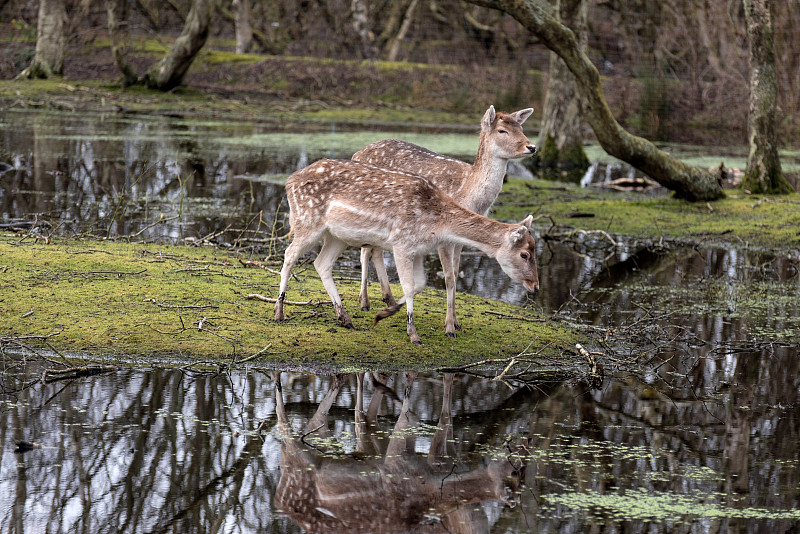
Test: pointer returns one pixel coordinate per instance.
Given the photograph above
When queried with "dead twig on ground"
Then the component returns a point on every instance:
(256, 296)
(515, 317)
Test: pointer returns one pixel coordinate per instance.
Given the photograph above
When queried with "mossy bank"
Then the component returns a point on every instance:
(770, 222)
(147, 302)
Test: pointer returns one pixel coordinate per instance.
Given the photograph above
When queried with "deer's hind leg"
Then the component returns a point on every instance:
(363, 297)
(450, 257)
(383, 278)
(332, 247)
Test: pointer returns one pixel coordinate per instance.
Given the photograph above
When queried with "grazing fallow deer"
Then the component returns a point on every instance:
(473, 186)
(343, 202)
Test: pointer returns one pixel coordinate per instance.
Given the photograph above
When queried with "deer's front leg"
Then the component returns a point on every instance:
(449, 256)
(331, 249)
(405, 271)
(293, 252)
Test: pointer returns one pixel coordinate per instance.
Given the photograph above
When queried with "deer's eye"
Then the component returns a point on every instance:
(502, 131)
(525, 256)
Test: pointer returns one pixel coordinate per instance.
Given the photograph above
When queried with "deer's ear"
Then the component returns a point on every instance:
(522, 115)
(518, 233)
(526, 222)
(488, 119)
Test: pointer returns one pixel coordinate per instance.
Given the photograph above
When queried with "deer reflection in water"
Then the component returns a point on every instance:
(385, 486)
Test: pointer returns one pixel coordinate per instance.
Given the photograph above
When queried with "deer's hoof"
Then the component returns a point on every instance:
(451, 334)
(364, 308)
(350, 326)
(417, 342)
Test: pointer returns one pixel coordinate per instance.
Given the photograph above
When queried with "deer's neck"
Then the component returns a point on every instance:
(484, 179)
(475, 230)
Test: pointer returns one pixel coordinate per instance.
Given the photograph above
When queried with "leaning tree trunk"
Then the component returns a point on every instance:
(394, 42)
(763, 173)
(49, 57)
(561, 136)
(691, 183)
(116, 11)
(169, 72)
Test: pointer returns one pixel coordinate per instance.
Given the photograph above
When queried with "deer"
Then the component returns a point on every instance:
(474, 186)
(392, 488)
(346, 203)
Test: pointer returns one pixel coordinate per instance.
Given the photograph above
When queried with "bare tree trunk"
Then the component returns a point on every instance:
(360, 22)
(49, 58)
(561, 136)
(763, 173)
(117, 11)
(169, 72)
(244, 31)
(393, 46)
(691, 183)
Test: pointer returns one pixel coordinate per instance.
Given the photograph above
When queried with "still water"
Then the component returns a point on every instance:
(694, 429)
(180, 451)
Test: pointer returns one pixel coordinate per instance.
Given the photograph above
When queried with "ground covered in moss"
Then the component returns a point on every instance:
(148, 302)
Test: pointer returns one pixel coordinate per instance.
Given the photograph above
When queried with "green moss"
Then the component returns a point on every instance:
(144, 300)
(548, 151)
(217, 57)
(641, 504)
(754, 220)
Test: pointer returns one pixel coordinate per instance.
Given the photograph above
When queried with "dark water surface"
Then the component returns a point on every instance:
(178, 451)
(695, 428)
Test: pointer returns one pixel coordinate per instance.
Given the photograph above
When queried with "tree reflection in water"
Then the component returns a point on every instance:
(175, 451)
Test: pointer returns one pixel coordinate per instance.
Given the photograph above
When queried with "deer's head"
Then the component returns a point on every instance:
(517, 256)
(502, 134)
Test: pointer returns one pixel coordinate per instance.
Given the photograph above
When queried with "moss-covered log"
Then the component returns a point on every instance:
(685, 180)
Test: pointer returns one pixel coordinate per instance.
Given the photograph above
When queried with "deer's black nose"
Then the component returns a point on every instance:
(532, 149)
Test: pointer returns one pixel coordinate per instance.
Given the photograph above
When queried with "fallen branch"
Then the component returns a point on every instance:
(75, 372)
(162, 219)
(258, 264)
(182, 306)
(518, 317)
(256, 296)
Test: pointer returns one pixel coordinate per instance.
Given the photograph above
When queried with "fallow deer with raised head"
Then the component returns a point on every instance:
(345, 203)
(473, 186)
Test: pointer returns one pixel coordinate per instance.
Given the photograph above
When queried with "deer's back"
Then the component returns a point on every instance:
(355, 200)
(447, 173)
